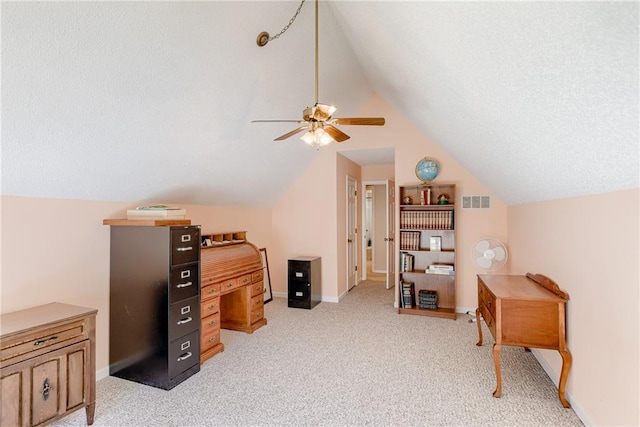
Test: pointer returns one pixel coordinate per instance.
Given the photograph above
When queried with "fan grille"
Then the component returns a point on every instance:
(489, 254)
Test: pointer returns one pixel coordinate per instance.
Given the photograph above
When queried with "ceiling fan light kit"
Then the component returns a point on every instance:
(320, 127)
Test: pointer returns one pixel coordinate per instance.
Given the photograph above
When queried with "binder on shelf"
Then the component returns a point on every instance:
(407, 289)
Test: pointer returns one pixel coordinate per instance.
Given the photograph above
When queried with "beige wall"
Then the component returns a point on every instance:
(58, 250)
(589, 246)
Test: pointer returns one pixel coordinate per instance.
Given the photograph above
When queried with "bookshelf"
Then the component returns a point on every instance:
(427, 250)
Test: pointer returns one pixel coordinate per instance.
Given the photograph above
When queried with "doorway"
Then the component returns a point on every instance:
(375, 231)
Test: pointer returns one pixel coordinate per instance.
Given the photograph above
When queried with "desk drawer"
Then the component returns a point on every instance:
(257, 302)
(257, 276)
(210, 291)
(211, 306)
(228, 285)
(210, 324)
(244, 280)
(257, 314)
(257, 289)
(210, 340)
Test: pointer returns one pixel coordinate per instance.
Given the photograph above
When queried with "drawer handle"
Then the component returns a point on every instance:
(184, 249)
(46, 388)
(183, 321)
(184, 285)
(40, 342)
(211, 291)
(212, 339)
(230, 284)
(245, 280)
(185, 356)
(212, 322)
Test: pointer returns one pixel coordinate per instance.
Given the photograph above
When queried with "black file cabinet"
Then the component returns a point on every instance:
(305, 285)
(154, 336)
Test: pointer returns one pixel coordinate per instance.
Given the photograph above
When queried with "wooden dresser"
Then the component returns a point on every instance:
(232, 288)
(527, 311)
(48, 366)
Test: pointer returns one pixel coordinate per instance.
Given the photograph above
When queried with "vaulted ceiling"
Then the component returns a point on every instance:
(152, 101)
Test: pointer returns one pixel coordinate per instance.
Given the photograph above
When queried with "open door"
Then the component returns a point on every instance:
(352, 247)
(391, 233)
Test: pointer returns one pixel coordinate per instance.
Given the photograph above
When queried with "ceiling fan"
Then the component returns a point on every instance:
(317, 120)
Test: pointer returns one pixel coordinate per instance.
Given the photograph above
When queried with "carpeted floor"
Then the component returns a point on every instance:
(348, 364)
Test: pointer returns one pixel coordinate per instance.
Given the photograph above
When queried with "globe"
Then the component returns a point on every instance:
(427, 169)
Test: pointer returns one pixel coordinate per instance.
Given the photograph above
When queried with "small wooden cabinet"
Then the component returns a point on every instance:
(232, 288)
(47, 370)
(427, 251)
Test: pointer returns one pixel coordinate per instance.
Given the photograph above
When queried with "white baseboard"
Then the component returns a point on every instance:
(556, 380)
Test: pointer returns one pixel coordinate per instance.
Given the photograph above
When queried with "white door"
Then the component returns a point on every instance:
(391, 234)
(352, 276)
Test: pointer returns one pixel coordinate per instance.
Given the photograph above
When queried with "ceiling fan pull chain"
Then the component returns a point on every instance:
(264, 38)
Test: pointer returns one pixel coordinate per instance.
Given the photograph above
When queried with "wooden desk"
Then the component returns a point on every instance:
(527, 311)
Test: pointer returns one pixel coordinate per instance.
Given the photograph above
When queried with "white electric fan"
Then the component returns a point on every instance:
(489, 254)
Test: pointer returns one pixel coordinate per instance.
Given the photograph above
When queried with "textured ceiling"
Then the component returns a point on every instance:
(152, 101)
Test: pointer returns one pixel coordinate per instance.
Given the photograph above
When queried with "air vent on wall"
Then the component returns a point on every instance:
(476, 202)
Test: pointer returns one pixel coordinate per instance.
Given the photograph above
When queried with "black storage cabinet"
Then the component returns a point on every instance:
(305, 285)
(154, 317)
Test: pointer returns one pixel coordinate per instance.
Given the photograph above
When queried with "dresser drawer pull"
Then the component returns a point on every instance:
(213, 339)
(212, 306)
(185, 248)
(184, 285)
(40, 342)
(230, 284)
(46, 388)
(185, 356)
(212, 322)
(183, 321)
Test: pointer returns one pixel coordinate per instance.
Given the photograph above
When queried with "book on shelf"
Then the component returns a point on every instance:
(406, 262)
(441, 269)
(156, 212)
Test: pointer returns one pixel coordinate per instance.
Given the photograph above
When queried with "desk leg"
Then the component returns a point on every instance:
(90, 410)
(478, 320)
(496, 362)
(566, 365)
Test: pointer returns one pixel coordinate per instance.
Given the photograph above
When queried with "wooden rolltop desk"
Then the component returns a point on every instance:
(232, 288)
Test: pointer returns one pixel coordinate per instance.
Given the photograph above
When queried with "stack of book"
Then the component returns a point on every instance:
(406, 262)
(441, 269)
(427, 299)
(156, 212)
(407, 294)
(409, 240)
(427, 220)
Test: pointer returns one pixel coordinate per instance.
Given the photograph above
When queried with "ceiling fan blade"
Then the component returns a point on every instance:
(277, 121)
(336, 133)
(290, 134)
(367, 121)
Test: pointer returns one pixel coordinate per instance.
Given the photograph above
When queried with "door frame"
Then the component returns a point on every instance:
(352, 238)
(363, 274)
